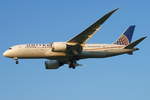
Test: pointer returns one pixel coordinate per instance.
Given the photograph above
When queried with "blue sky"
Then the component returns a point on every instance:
(40, 21)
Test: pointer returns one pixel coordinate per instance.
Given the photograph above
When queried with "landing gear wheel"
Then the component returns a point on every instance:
(73, 67)
(17, 62)
(72, 64)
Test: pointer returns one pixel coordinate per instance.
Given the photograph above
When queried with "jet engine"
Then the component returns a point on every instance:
(52, 64)
(59, 46)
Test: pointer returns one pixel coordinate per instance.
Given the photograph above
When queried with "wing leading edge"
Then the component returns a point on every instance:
(89, 32)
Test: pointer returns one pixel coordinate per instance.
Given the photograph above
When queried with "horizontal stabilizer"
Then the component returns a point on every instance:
(133, 44)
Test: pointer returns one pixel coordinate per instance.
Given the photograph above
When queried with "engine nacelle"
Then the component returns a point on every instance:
(59, 46)
(52, 64)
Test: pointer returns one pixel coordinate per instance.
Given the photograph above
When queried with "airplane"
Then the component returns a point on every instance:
(69, 52)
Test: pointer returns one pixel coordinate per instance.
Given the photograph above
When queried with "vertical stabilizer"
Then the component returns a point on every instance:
(126, 37)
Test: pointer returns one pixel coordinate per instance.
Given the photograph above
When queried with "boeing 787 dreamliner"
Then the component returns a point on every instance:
(76, 48)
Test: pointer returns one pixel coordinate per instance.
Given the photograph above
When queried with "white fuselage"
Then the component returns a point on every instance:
(27, 51)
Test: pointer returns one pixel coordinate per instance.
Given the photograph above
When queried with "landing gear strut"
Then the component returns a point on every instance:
(73, 64)
(16, 60)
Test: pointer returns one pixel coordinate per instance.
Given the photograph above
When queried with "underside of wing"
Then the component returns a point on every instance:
(89, 32)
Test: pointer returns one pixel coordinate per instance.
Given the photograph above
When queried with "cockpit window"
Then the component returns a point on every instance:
(10, 48)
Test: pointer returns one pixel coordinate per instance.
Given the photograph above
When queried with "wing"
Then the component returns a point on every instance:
(89, 32)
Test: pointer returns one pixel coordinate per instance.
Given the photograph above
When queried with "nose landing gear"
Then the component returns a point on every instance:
(16, 60)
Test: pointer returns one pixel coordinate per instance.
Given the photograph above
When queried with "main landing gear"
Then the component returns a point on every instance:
(73, 64)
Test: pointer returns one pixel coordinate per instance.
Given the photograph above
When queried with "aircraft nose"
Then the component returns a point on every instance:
(5, 54)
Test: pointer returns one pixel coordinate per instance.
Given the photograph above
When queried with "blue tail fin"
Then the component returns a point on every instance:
(126, 37)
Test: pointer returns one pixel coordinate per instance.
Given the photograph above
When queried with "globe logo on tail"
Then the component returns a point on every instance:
(123, 40)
